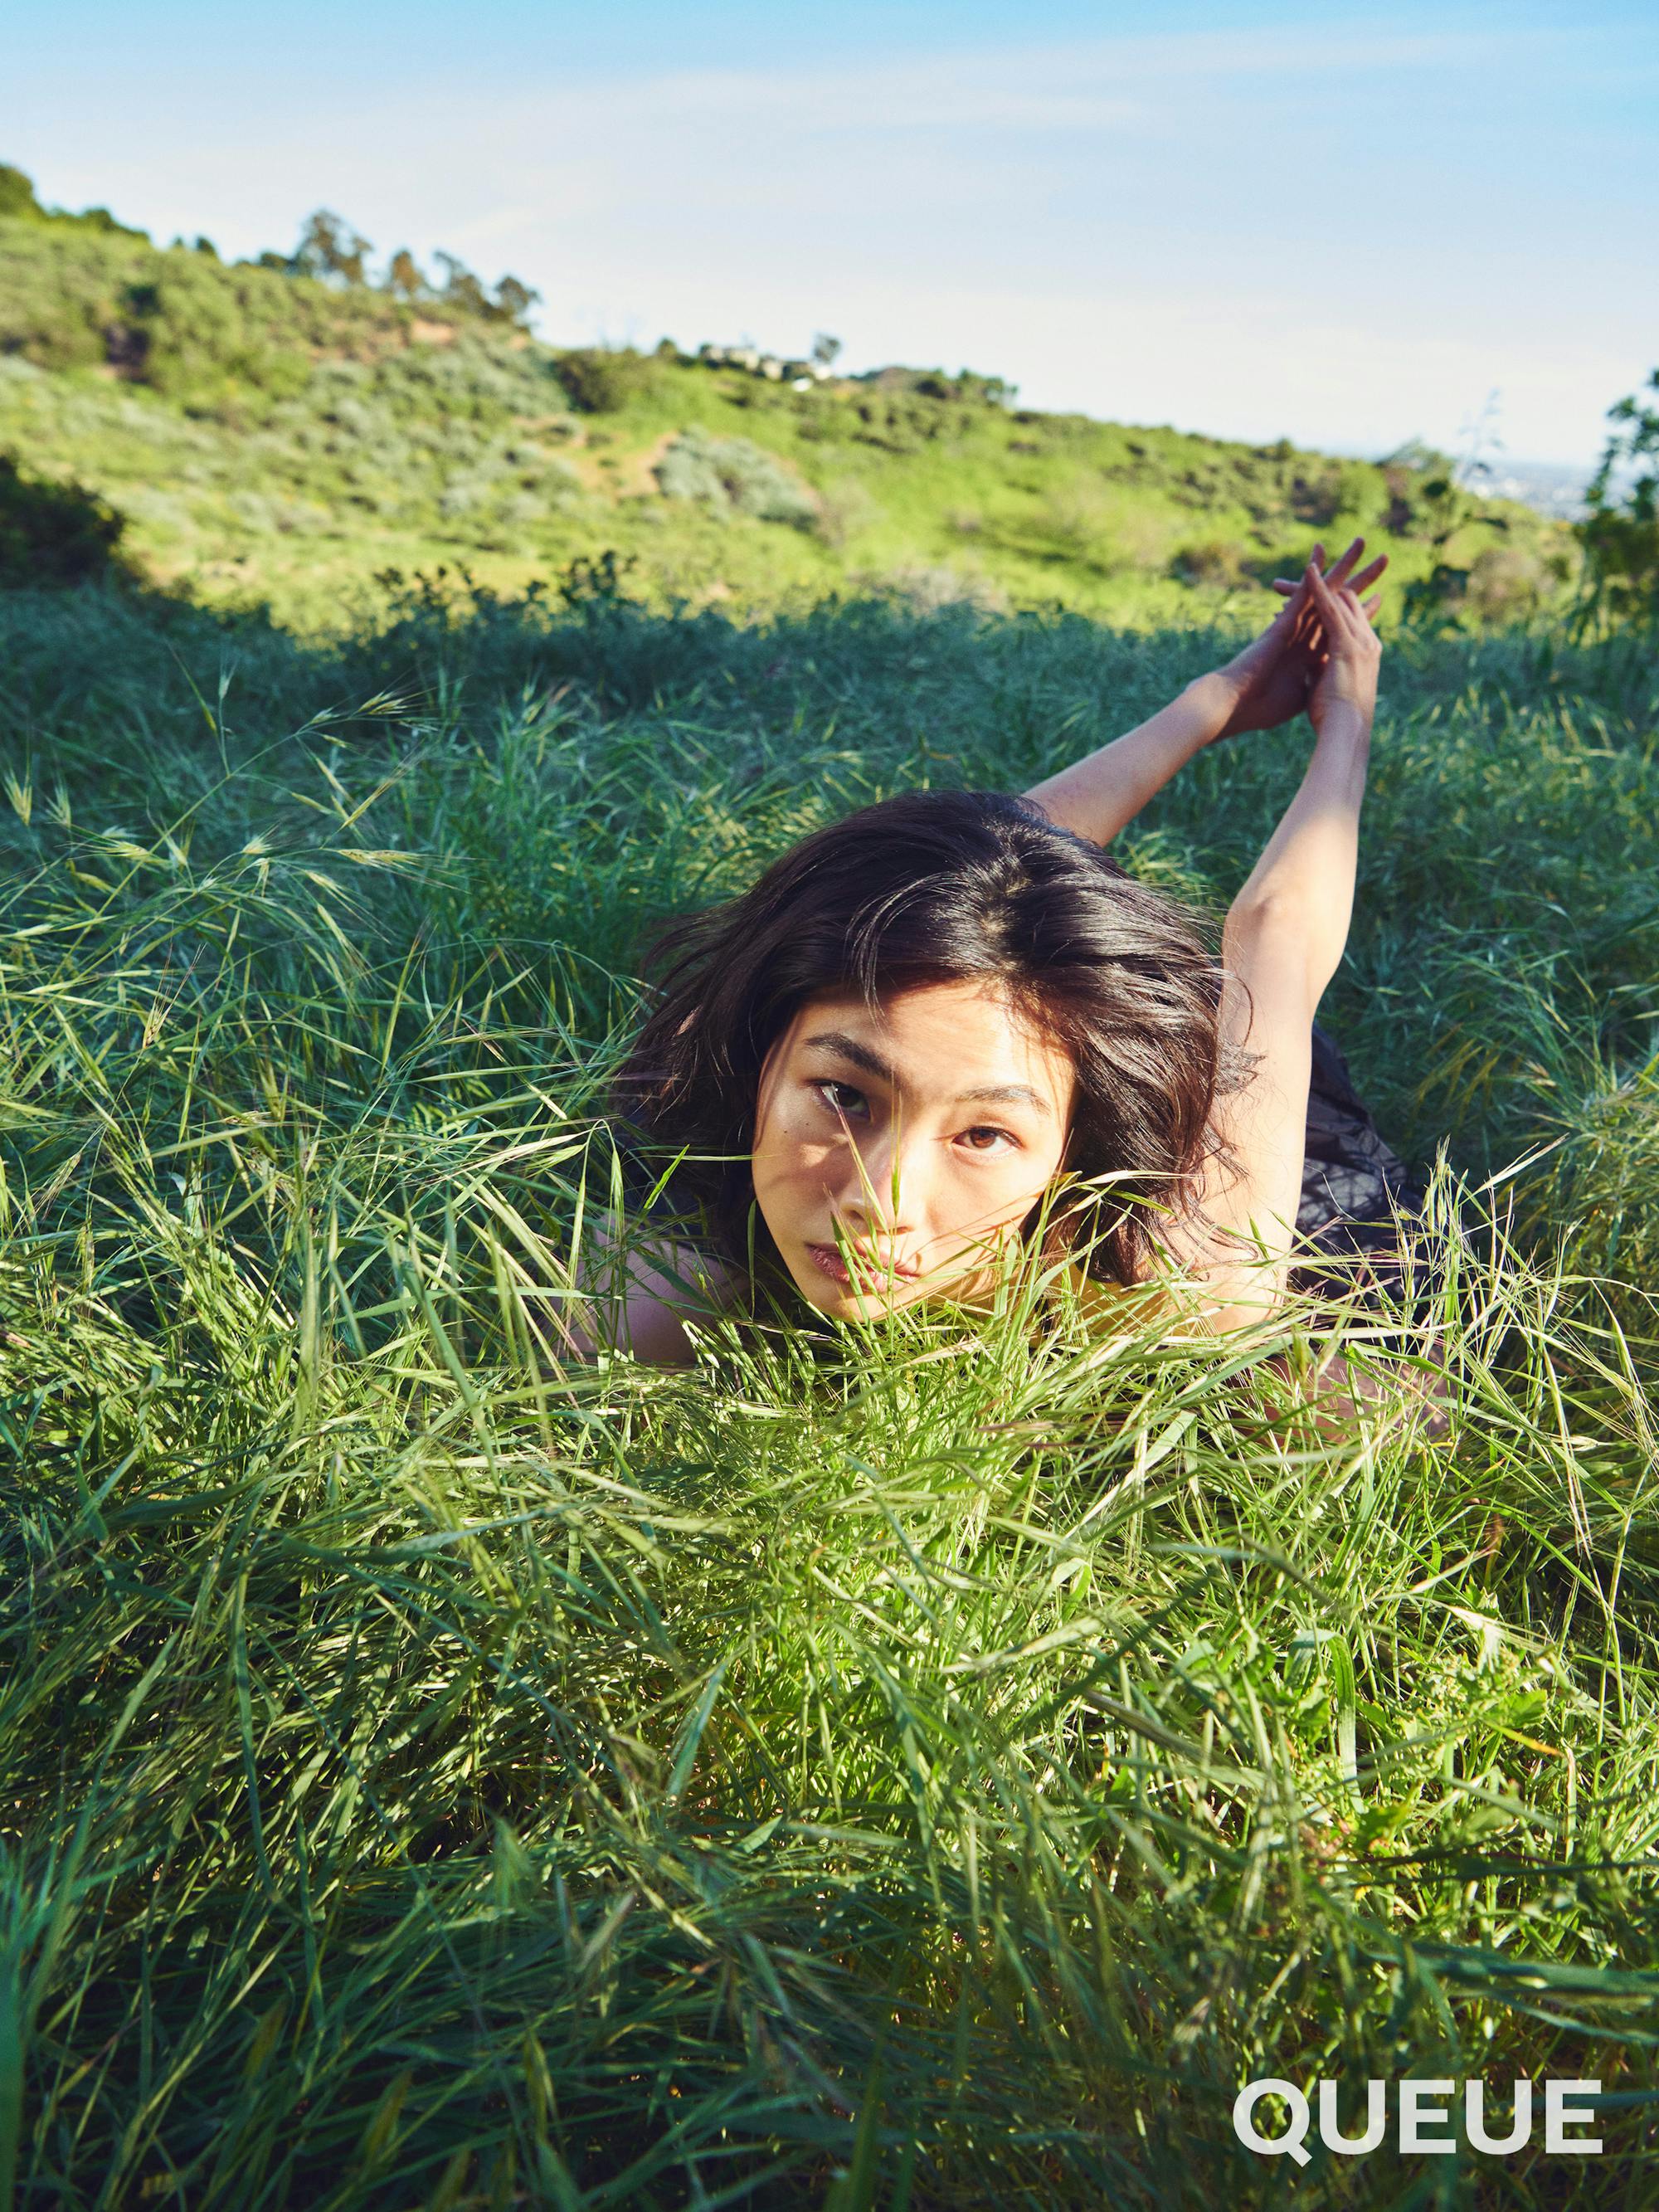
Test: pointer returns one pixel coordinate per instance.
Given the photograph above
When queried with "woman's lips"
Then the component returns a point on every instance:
(829, 1261)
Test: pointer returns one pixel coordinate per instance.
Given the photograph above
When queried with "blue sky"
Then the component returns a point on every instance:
(1346, 227)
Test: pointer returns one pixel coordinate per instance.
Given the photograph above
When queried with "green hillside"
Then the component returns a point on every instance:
(268, 434)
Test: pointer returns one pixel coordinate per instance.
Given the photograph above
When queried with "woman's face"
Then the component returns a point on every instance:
(924, 1131)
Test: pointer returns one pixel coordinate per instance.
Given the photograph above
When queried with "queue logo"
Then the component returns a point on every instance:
(1423, 2110)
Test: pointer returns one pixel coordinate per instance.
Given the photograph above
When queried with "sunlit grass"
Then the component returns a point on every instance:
(930, 1760)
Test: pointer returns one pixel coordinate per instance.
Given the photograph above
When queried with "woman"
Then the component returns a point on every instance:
(935, 1025)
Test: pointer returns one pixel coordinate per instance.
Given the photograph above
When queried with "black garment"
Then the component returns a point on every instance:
(1351, 1182)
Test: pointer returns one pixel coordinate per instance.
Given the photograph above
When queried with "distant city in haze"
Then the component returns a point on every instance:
(1548, 487)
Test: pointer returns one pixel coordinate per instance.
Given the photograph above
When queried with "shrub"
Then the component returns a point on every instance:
(52, 533)
(1084, 521)
(18, 200)
(1076, 517)
(19, 204)
(926, 589)
(847, 507)
(1315, 496)
(1620, 534)
(735, 476)
(1508, 584)
(74, 295)
(1220, 563)
(605, 380)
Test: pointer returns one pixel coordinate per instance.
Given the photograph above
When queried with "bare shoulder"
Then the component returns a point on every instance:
(637, 1298)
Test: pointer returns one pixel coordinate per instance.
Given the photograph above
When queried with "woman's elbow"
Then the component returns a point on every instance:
(1277, 938)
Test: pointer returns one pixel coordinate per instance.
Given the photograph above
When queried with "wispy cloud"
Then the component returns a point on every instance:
(1090, 85)
(1343, 233)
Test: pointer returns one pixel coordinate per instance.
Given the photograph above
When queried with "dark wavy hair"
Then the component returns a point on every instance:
(934, 887)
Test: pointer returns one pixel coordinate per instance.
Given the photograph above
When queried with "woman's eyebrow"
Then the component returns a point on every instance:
(1006, 1094)
(871, 1062)
(859, 1054)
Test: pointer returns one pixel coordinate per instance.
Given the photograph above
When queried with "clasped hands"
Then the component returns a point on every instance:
(1304, 653)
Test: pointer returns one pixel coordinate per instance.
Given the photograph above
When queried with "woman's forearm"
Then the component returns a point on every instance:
(1298, 901)
(1098, 795)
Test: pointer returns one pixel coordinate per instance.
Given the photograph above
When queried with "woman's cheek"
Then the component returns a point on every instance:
(1013, 1188)
(789, 1166)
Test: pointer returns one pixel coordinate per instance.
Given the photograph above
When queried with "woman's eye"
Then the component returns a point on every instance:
(986, 1140)
(842, 1098)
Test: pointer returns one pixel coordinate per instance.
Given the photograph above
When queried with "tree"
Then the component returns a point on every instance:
(1620, 533)
(329, 248)
(461, 288)
(825, 348)
(514, 301)
(19, 204)
(511, 303)
(18, 200)
(405, 276)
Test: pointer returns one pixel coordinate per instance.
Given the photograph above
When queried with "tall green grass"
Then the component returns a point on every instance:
(915, 1767)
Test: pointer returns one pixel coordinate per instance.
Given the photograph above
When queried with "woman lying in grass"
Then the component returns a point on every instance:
(951, 1014)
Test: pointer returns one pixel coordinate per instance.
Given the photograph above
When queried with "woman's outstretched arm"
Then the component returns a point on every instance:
(1284, 938)
(1267, 683)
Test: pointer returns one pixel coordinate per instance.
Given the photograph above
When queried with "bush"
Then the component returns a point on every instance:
(1508, 584)
(1315, 496)
(19, 204)
(1620, 534)
(735, 476)
(75, 297)
(18, 200)
(846, 508)
(52, 533)
(605, 380)
(1076, 517)
(925, 588)
(1085, 520)
(1220, 563)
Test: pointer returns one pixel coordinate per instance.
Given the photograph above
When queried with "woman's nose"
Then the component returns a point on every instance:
(882, 1187)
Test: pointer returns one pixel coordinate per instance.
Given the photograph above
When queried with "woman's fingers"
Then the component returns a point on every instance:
(1329, 605)
(1361, 610)
(1367, 576)
(1341, 571)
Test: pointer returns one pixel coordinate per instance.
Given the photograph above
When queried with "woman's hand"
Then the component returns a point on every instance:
(1352, 649)
(1267, 683)
(1274, 678)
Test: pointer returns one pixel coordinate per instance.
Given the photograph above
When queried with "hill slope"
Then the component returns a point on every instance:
(276, 437)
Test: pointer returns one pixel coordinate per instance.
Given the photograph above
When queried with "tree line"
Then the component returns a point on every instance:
(333, 250)
(330, 249)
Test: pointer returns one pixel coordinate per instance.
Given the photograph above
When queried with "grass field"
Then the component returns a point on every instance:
(929, 1770)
